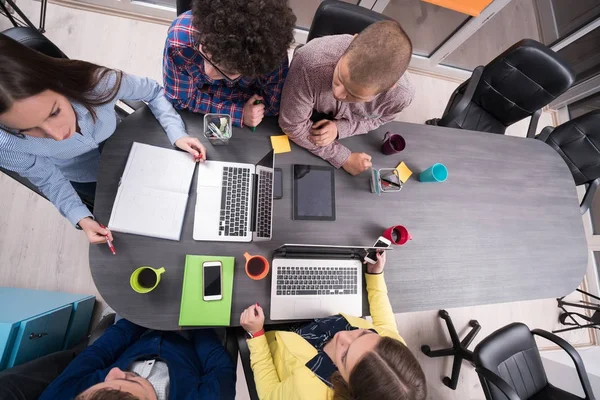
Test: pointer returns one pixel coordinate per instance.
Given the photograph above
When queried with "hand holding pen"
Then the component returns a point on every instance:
(109, 240)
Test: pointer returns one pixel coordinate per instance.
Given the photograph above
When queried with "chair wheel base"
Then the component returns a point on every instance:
(448, 382)
(459, 349)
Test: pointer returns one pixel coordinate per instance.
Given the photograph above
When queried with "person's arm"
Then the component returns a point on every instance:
(297, 102)
(379, 303)
(98, 356)
(396, 103)
(273, 86)
(44, 174)
(218, 381)
(185, 92)
(265, 375)
(148, 90)
(347, 128)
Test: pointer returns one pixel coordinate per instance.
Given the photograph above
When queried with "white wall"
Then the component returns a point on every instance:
(561, 370)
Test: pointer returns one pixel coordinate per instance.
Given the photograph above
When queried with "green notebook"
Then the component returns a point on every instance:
(197, 312)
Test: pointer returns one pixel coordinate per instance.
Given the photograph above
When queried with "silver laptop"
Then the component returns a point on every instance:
(234, 201)
(315, 281)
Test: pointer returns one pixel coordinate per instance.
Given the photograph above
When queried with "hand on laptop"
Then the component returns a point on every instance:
(357, 163)
(253, 318)
(377, 268)
(323, 133)
(253, 113)
(193, 146)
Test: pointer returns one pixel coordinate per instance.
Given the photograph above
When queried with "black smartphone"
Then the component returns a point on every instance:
(278, 184)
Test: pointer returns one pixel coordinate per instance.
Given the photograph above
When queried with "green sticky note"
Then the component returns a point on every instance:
(194, 310)
(281, 144)
(403, 172)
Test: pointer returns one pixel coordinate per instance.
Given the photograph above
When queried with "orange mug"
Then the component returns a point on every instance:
(257, 267)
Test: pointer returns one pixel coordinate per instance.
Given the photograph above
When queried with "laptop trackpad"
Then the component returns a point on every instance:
(307, 308)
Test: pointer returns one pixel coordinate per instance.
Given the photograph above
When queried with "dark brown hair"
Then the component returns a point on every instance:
(106, 394)
(379, 55)
(250, 37)
(389, 372)
(25, 72)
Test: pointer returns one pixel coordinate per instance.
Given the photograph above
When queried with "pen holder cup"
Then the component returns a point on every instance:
(385, 180)
(217, 128)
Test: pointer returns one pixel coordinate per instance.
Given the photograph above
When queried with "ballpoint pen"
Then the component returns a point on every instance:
(108, 242)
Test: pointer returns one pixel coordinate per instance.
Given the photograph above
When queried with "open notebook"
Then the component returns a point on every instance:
(153, 192)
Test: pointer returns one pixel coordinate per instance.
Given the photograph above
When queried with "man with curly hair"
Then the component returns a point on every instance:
(229, 56)
(340, 86)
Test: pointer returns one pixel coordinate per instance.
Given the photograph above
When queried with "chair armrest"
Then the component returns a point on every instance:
(466, 98)
(545, 133)
(245, 357)
(535, 117)
(588, 198)
(231, 345)
(570, 350)
(500, 383)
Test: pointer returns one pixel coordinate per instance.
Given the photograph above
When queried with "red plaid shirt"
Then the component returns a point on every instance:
(189, 88)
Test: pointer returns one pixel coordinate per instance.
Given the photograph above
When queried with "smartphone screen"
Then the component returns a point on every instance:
(381, 244)
(212, 280)
(372, 255)
(278, 184)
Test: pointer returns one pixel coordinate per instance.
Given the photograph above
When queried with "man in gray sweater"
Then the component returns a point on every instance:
(342, 85)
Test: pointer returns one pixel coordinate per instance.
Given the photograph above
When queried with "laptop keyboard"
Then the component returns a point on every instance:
(264, 204)
(294, 281)
(234, 202)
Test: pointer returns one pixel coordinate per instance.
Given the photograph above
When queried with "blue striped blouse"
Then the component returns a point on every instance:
(51, 164)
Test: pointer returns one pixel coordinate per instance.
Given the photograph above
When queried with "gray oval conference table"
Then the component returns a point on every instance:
(504, 227)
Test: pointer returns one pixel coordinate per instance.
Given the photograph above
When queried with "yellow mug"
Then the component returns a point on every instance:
(145, 279)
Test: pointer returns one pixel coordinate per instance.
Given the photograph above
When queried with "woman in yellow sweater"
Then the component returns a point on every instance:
(339, 357)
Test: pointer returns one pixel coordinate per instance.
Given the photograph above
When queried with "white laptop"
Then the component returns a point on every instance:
(315, 281)
(234, 201)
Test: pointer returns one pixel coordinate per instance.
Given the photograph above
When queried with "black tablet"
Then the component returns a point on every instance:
(314, 192)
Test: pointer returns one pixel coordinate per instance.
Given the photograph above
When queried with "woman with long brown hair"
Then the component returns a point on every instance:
(339, 357)
(55, 115)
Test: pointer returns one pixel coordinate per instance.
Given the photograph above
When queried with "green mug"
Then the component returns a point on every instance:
(145, 279)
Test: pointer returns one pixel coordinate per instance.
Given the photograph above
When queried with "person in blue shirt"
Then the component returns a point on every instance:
(131, 362)
(55, 115)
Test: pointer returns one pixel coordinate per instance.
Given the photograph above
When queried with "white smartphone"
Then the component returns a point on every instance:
(381, 243)
(212, 286)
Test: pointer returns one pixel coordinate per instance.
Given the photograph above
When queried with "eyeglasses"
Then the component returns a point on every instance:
(227, 78)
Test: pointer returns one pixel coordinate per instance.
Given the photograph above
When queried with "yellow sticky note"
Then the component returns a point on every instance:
(403, 171)
(281, 144)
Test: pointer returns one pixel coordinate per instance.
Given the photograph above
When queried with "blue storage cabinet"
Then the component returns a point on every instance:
(34, 323)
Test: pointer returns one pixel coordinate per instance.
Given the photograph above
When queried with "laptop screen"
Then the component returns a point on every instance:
(268, 160)
(324, 251)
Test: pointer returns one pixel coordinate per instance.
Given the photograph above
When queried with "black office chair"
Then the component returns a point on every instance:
(33, 39)
(511, 355)
(459, 350)
(578, 143)
(335, 17)
(183, 6)
(513, 86)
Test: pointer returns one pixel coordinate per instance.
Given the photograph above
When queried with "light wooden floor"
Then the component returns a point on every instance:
(39, 249)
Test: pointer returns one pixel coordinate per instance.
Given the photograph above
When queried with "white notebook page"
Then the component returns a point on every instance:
(153, 192)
